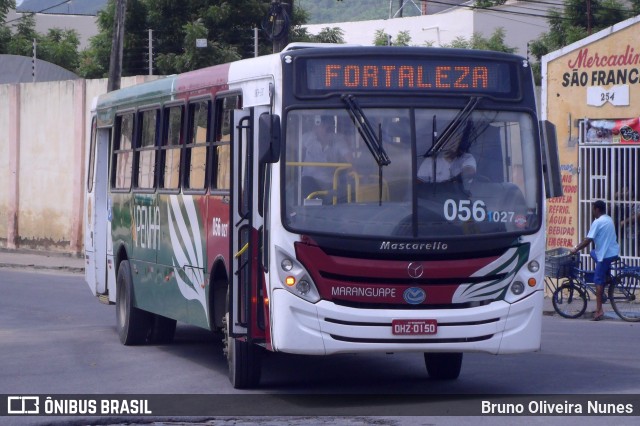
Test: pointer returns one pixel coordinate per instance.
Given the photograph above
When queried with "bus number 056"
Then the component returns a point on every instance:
(464, 210)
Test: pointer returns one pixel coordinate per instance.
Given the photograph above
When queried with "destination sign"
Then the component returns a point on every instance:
(401, 74)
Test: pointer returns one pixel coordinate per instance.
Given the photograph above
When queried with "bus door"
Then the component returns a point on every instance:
(96, 211)
(245, 219)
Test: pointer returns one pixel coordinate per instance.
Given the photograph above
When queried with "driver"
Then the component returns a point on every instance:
(322, 145)
(449, 164)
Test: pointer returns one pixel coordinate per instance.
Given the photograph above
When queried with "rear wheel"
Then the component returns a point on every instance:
(569, 301)
(133, 324)
(443, 366)
(624, 297)
(243, 358)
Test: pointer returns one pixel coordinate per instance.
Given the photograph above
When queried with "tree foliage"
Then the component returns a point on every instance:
(5, 6)
(57, 46)
(381, 38)
(477, 41)
(227, 26)
(489, 3)
(326, 11)
(573, 22)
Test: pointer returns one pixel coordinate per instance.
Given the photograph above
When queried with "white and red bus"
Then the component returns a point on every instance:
(308, 202)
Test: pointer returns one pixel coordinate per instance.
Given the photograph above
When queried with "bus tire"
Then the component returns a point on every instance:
(243, 358)
(443, 366)
(133, 324)
(162, 330)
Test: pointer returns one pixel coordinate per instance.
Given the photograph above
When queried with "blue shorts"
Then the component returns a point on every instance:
(603, 269)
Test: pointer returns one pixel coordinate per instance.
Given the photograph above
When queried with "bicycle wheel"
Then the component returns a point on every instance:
(624, 296)
(569, 301)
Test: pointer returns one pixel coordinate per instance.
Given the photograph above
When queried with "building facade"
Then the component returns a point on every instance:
(591, 92)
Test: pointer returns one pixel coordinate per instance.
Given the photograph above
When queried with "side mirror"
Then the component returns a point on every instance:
(550, 160)
(269, 138)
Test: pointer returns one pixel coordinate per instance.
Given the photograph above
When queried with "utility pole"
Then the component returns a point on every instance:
(280, 43)
(115, 61)
(150, 51)
(400, 7)
(255, 42)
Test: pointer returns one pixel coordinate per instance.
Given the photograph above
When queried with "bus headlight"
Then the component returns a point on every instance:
(533, 266)
(517, 288)
(295, 277)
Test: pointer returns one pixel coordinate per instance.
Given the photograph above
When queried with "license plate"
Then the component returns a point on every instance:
(403, 327)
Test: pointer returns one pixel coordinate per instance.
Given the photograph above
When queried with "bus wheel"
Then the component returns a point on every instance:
(133, 324)
(243, 358)
(162, 330)
(443, 366)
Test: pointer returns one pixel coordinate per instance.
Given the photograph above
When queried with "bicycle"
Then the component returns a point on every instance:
(570, 298)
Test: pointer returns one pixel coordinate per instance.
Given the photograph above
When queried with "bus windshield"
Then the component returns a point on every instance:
(479, 178)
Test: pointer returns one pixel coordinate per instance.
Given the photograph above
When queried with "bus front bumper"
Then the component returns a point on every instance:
(325, 328)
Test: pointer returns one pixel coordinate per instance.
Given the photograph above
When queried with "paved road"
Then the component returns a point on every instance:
(55, 338)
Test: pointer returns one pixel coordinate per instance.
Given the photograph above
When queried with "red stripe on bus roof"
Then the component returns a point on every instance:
(217, 75)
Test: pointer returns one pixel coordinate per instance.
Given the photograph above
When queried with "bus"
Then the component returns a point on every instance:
(306, 202)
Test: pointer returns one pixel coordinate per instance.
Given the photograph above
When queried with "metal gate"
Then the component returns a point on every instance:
(611, 173)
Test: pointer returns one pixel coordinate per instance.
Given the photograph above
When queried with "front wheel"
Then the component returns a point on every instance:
(569, 301)
(133, 324)
(443, 366)
(243, 358)
(624, 297)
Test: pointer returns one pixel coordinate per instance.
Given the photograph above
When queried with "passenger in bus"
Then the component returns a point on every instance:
(322, 145)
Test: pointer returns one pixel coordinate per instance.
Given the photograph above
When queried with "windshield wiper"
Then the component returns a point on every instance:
(373, 142)
(453, 127)
(366, 130)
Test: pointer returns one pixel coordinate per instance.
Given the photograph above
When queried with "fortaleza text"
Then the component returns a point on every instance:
(565, 407)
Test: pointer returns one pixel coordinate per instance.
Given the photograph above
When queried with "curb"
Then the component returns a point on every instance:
(42, 268)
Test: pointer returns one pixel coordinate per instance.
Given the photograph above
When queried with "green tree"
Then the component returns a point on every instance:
(227, 26)
(193, 57)
(60, 47)
(477, 41)
(573, 24)
(489, 3)
(21, 42)
(381, 38)
(5, 33)
(330, 35)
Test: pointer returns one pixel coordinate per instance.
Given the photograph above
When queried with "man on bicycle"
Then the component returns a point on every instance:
(603, 233)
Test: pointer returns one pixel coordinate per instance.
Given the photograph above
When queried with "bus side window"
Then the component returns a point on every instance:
(122, 152)
(222, 144)
(171, 147)
(196, 152)
(146, 148)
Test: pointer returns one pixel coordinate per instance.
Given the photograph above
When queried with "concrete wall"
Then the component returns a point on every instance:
(4, 160)
(44, 134)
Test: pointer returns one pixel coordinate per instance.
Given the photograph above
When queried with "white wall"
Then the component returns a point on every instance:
(442, 28)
